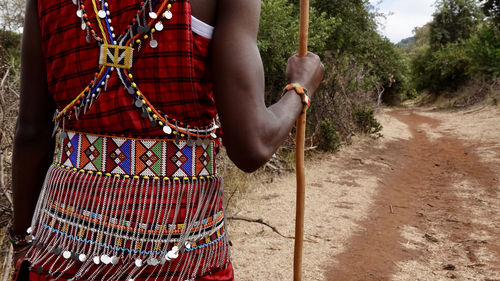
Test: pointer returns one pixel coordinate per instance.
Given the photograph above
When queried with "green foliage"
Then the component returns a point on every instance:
(390, 68)
(329, 139)
(444, 69)
(453, 21)
(358, 23)
(278, 38)
(458, 45)
(10, 46)
(483, 49)
(365, 118)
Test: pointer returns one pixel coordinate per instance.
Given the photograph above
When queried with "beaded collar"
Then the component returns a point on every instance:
(117, 53)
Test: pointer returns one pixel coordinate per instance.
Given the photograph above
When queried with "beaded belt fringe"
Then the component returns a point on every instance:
(115, 208)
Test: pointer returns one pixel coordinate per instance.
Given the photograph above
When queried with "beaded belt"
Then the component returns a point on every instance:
(121, 207)
(128, 157)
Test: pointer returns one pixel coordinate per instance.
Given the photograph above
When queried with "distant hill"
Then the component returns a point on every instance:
(405, 43)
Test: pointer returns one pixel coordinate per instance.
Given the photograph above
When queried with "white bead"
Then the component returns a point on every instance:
(167, 130)
(105, 259)
(159, 26)
(114, 260)
(82, 257)
(29, 230)
(168, 15)
(101, 14)
(138, 262)
(188, 245)
(67, 254)
(172, 255)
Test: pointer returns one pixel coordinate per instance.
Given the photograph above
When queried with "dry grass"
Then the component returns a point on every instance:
(9, 102)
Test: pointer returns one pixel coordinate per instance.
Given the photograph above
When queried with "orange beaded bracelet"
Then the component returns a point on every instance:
(301, 91)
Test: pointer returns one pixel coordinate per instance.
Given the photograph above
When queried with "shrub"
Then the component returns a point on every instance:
(444, 69)
(366, 121)
(483, 48)
(329, 139)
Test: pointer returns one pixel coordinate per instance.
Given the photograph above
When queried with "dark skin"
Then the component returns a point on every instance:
(252, 131)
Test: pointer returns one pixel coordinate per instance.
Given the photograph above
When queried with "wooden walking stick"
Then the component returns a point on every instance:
(299, 154)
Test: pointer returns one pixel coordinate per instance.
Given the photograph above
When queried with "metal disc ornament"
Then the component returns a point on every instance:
(167, 130)
(82, 257)
(159, 26)
(153, 15)
(168, 14)
(101, 14)
(67, 254)
(153, 43)
(114, 260)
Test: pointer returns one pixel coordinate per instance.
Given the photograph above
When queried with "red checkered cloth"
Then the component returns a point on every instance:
(175, 76)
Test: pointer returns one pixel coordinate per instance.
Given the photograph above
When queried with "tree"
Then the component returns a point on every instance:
(278, 39)
(454, 20)
(356, 18)
(491, 8)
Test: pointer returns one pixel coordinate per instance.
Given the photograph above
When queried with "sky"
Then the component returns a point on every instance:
(405, 16)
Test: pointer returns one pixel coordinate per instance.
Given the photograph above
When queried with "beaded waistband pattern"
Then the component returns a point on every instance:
(128, 157)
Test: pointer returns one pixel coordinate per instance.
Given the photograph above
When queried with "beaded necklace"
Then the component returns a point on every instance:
(117, 53)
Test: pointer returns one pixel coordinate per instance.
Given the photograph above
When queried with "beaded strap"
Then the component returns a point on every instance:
(301, 91)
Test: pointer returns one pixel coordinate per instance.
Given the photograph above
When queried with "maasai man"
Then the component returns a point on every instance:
(127, 93)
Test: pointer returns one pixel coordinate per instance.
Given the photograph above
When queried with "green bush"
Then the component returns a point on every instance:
(329, 139)
(483, 48)
(444, 69)
(366, 121)
(278, 39)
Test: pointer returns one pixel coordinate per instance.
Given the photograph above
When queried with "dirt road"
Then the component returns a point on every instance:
(422, 203)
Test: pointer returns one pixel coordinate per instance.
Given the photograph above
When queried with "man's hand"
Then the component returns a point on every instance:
(307, 71)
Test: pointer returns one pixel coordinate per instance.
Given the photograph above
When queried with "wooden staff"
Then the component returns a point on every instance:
(299, 154)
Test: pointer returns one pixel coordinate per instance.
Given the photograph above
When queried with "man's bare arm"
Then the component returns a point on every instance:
(33, 143)
(252, 131)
